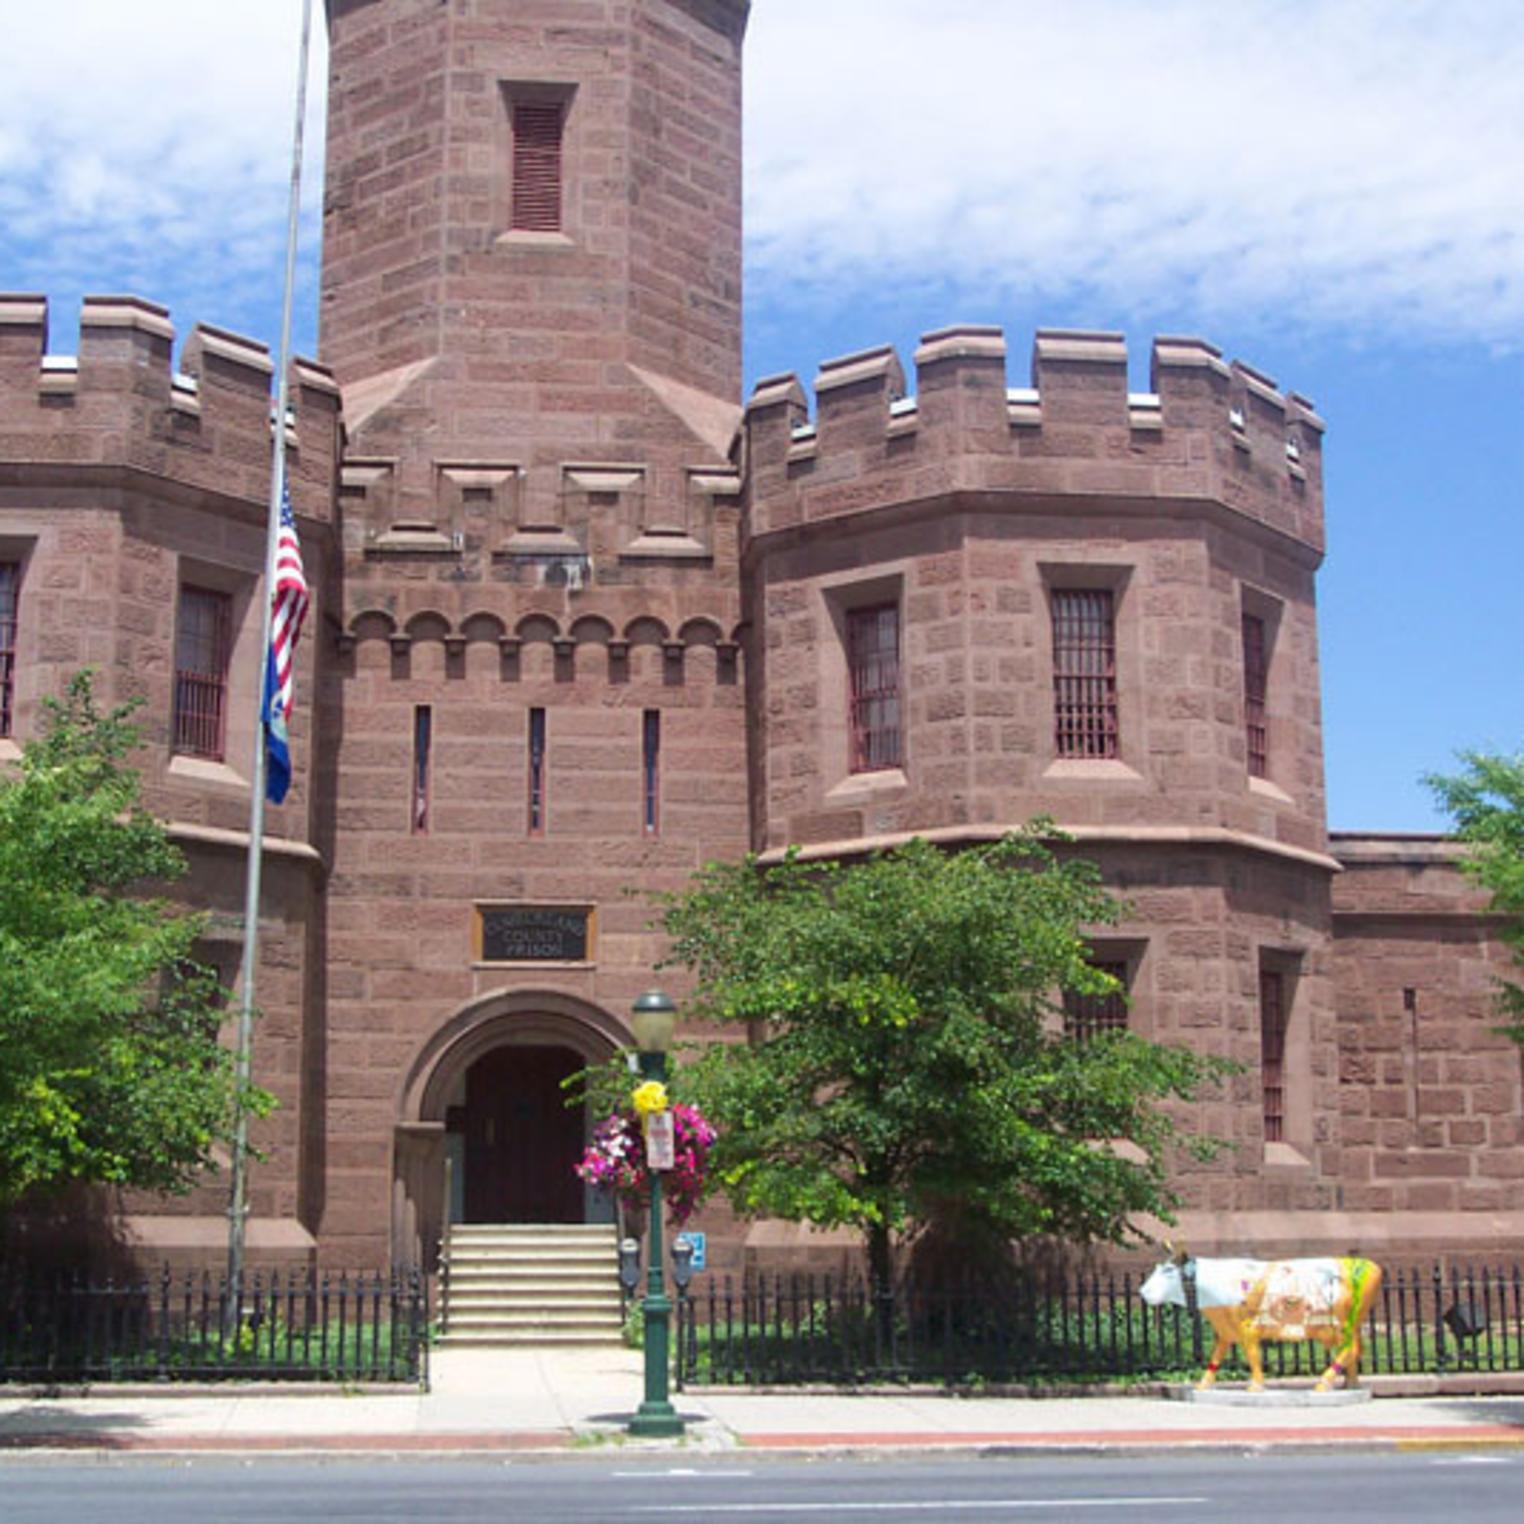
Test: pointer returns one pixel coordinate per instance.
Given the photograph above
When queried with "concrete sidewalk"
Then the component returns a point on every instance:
(550, 1401)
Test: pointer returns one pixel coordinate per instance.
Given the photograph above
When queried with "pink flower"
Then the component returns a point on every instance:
(616, 1159)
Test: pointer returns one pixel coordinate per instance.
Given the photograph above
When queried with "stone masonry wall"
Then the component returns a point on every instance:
(1430, 1095)
(122, 477)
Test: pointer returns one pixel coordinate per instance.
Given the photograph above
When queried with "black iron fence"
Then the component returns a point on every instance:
(792, 1330)
(292, 1326)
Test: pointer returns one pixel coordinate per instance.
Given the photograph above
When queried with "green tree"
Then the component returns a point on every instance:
(110, 1068)
(1486, 801)
(902, 1070)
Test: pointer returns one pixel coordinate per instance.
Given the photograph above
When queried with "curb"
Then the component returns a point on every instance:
(169, 1391)
(285, 1444)
(1474, 1436)
(564, 1444)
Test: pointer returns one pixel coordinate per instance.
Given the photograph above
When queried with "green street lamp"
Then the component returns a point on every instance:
(653, 1020)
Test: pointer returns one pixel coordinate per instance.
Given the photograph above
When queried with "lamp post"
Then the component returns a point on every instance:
(653, 1020)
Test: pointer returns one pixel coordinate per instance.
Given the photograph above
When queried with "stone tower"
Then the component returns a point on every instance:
(977, 602)
(531, 297)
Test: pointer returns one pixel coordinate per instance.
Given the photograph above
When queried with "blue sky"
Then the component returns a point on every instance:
(1332, 190)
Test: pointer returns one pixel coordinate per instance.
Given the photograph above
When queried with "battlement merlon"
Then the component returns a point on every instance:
(730, 16)
(1209, 429)
(120, 402)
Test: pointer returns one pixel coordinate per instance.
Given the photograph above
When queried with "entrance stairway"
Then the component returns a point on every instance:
(530, 1284)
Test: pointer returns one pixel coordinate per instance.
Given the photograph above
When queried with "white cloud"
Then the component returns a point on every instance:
(146, 146)
(1350, 163)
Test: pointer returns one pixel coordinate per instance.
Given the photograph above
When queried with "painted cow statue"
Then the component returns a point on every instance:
(1250, 1300)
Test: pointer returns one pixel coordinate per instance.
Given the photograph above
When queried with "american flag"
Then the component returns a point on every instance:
(288, 608)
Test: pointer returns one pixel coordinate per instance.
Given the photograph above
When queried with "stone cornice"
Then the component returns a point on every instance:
(1362, 849)
(970, 502)
(238, 841)
(1142, 836)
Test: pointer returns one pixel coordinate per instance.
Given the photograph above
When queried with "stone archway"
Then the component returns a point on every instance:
(476, 1091)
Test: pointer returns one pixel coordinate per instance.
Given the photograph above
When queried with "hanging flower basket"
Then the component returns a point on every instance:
(615, 1159)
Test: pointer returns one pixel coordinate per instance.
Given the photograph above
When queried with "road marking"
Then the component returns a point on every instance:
(647, 1472)
(1476, 1460)
(949, 1506)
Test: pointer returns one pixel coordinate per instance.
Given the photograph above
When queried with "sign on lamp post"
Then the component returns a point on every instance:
(656, 1418)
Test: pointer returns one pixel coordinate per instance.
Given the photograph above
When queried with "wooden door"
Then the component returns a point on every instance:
(522, 1140)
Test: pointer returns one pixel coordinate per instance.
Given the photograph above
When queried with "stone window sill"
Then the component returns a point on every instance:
(1284, 1156)
(202, 770)
(857, 787)
(561, 963)
(1092, 770)
(523, 238)
(1267, 790)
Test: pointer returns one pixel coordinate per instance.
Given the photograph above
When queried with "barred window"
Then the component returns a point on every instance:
(536, 206)
(536, 761)
(873, 666)
(1084, 673)
(10, 589)
(1272, 1050)
(1087, 1016)
(1255, 672)
(202, 643)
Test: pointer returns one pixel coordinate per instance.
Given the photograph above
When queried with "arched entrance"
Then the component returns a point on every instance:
(483, 1133)
(520, 1140)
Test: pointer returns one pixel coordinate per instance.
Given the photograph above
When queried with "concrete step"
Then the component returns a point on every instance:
(532, 1257)
(515, 1232)
(532, 1319)
(548, 1339)
(457, 1255)
(531, 1275)
(460, 1305)
(531, 1284)
(534, 1291)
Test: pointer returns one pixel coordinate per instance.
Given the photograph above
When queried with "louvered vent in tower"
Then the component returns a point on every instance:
(537, 166)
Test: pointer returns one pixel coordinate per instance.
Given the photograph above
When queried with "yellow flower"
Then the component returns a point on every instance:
(650, 1099)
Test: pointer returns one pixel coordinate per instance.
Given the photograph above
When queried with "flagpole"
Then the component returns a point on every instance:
(243, 1052)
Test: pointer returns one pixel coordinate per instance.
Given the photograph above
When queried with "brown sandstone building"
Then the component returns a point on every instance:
(582, 622)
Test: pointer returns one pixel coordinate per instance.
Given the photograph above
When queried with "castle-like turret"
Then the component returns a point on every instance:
(1090, 604)
(532, 274)
(134, 498)
(531, 298)
(975, 602)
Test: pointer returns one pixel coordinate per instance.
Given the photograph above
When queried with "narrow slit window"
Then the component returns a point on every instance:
(423, 748)
(536, 206)
(650, 771)
(1272, 1049)
(1084, 673)
(536, 772)
(873, 663)
(1087, 1016)
(1256, 733)
(202, 640)
(10, 590)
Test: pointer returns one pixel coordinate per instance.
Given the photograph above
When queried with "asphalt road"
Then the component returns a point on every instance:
(1175, 1488)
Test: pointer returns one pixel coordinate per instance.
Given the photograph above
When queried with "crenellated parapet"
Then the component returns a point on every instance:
(122, 403)
(1210, 430)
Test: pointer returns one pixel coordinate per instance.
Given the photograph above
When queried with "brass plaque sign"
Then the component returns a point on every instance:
(533, 933)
